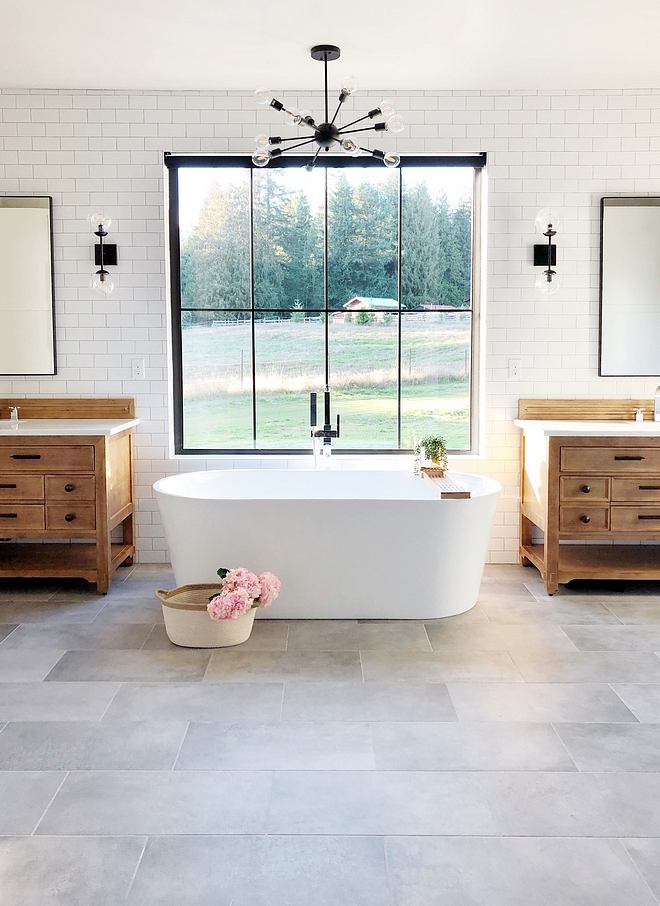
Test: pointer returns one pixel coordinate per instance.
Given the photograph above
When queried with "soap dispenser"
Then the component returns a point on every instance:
(13, 418)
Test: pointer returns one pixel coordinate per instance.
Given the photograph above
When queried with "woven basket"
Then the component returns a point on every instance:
(187, 622)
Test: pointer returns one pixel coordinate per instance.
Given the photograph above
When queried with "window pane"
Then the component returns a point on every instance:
(288, 239)
(289, 361)
(217, 380)
(363, 377)
(363, 234)
(214, 223)
(435, 383)
(436, 244)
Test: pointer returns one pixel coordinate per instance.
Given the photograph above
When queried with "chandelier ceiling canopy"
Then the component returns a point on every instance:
(329, 133)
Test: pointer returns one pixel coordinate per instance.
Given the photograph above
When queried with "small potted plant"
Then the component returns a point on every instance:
(431, 455)
(220, 615)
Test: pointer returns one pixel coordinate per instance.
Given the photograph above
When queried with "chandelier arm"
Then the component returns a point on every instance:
(345, 131)
(313, 160)
(325, 69)
(289, 138)
(299, 145)
(339, 105)
(359, 120)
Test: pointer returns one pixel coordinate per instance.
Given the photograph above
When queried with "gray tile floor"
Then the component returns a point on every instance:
(506, 757)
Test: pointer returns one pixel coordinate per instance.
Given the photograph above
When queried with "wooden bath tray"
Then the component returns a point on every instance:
(450, 489)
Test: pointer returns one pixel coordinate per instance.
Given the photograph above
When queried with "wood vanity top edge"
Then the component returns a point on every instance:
(70, 407)
(583, 410)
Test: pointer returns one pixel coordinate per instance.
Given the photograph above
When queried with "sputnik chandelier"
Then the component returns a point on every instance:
(326, 134)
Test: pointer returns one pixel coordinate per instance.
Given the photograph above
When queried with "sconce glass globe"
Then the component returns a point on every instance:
(546, 216)
(546, 287)
(386, 107)
(261, 158)
(391, 159)
(263, 96)
(99, 219)
(261, 141)
(349, 84)
(105, 287)
(396, 123)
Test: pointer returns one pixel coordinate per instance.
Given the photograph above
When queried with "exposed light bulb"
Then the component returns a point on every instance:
(102, 286)
(547, 216)
(263, 96)
(396, 123)
(261, 141)
(260, 158)
(293, 116)
(349, 84)
(97, 220)
(386, 107)
(307, 116)
(349, 146)
(309, 167)
(390, 159)
(548, 287)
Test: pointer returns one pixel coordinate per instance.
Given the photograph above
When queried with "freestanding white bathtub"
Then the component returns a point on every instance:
(346, 544)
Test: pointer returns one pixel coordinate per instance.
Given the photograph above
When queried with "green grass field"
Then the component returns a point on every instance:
(289, 364)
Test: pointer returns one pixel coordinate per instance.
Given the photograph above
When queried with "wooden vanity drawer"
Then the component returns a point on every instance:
(21, 487)
(56, 458)
(575, 519)
(642, 519)
(636, 490)
(611, 460)
(72, 518)
(584, 488)
(70, 487)
(14, 517)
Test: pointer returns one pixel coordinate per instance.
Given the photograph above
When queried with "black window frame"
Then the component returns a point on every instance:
(175, 162)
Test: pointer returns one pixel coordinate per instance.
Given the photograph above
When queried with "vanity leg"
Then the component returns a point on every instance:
(128, 537)
(525, 539)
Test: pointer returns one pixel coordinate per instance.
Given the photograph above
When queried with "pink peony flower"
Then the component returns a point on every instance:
(270, 587)
(229, 605)
(243, 580)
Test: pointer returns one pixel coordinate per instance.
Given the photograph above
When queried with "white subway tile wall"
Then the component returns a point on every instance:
(94, 150)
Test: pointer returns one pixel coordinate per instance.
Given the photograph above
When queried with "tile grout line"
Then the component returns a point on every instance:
(611, 686)
(139, 862)
(636, 867)
(116, 693)
(564, 746)
(183, 739)
(52, 799)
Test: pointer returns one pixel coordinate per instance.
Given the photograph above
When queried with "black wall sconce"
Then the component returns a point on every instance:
(104, 254)
(545, 255)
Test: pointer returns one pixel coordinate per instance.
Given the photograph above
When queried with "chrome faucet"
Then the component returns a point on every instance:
(322, 437)
(656, 408)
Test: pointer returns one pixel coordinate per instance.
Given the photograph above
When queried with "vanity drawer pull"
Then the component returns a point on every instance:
(629, 458)
(648, 487)
(26, 455)
(648, 517)
(585, 489)
(8, 515)
(8, 486)
(69, 517)
(69, 487)
(585, 519)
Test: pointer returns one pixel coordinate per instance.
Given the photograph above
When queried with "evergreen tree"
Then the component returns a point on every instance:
(420, 255)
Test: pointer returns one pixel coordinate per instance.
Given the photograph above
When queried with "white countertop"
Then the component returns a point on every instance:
(65, 427)
(574, 428)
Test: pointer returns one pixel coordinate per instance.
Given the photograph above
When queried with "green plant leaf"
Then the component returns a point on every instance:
(222, 572)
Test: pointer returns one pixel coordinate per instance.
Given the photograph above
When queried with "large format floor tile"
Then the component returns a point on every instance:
(346, 802)
(279, 666)
(55, 701)
(130, 666)
(646, 856)
(440, 666)
(286, 746)
(347, 635)
(27, 666)
(261, 871)
(155, 802)
(614, 638)
(372, 701)
(260, 702)
(588, 667)
(560, 611)
(90, 745)
(538, 701)
(78, 636)
(67, 871)
(643, 699)
(24, 797)
(499, 637)
(612, 747)
(468, 871)
(469, 747)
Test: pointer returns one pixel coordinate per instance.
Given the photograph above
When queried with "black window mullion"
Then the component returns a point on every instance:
(325, 278)
(252, 327)
(399, 334)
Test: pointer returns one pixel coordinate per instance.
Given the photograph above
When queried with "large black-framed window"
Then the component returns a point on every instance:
(354, 275)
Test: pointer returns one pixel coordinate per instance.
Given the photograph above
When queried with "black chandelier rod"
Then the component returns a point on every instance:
(325, 69)
(359, 120)
(300, 144)
(363, 129)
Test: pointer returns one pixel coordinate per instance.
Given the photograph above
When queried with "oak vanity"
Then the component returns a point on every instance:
(66, 475)
(591, 484)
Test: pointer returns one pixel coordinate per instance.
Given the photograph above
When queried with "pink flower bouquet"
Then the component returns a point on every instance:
(241, 591)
